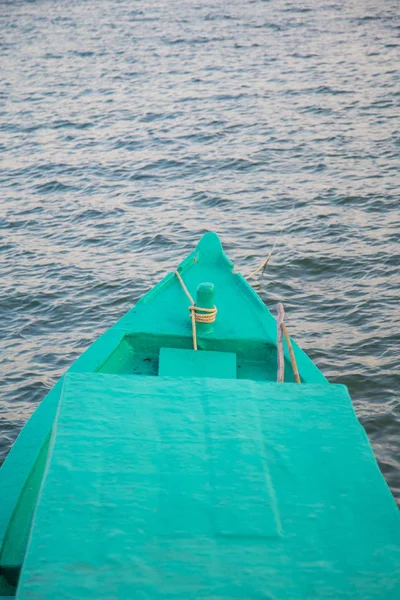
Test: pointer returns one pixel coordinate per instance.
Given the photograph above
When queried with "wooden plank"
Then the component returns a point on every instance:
(177, 362)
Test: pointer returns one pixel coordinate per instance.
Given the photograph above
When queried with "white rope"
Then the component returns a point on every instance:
(262, 266)
(266, 261)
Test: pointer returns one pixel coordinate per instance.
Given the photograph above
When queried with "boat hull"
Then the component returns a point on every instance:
(159, 325)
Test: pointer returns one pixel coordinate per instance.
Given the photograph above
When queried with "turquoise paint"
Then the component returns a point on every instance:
(205, 299)
(175, 362)
(244, 327)
(210, 488)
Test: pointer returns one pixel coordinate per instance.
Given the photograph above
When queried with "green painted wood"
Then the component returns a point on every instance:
(159, 319)
(175, 362)
(162, 487)
(6, 589)
(13, 550)
(205, 299)
(244, 327)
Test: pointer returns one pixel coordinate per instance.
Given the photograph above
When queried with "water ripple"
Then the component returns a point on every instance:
(126, 133)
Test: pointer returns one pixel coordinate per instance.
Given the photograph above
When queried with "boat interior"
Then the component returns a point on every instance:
(150, 459)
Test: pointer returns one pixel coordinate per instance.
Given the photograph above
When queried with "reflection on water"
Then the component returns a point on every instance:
(129, 130)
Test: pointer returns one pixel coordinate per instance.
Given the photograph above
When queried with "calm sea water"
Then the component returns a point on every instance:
(129, 128)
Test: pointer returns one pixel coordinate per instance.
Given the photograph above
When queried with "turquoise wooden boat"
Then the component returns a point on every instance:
(155, 471)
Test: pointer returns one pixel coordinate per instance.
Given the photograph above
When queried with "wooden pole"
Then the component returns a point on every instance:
(292, 357)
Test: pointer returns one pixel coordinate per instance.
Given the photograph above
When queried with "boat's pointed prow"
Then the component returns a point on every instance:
(209, 249)
(178, 424)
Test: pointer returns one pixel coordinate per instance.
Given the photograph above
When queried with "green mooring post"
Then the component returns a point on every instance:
(205, 299)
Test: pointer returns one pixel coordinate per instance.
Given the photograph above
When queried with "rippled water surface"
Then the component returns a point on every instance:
(130, 128)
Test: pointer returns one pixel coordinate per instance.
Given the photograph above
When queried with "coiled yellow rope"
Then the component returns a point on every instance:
(197, 313)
